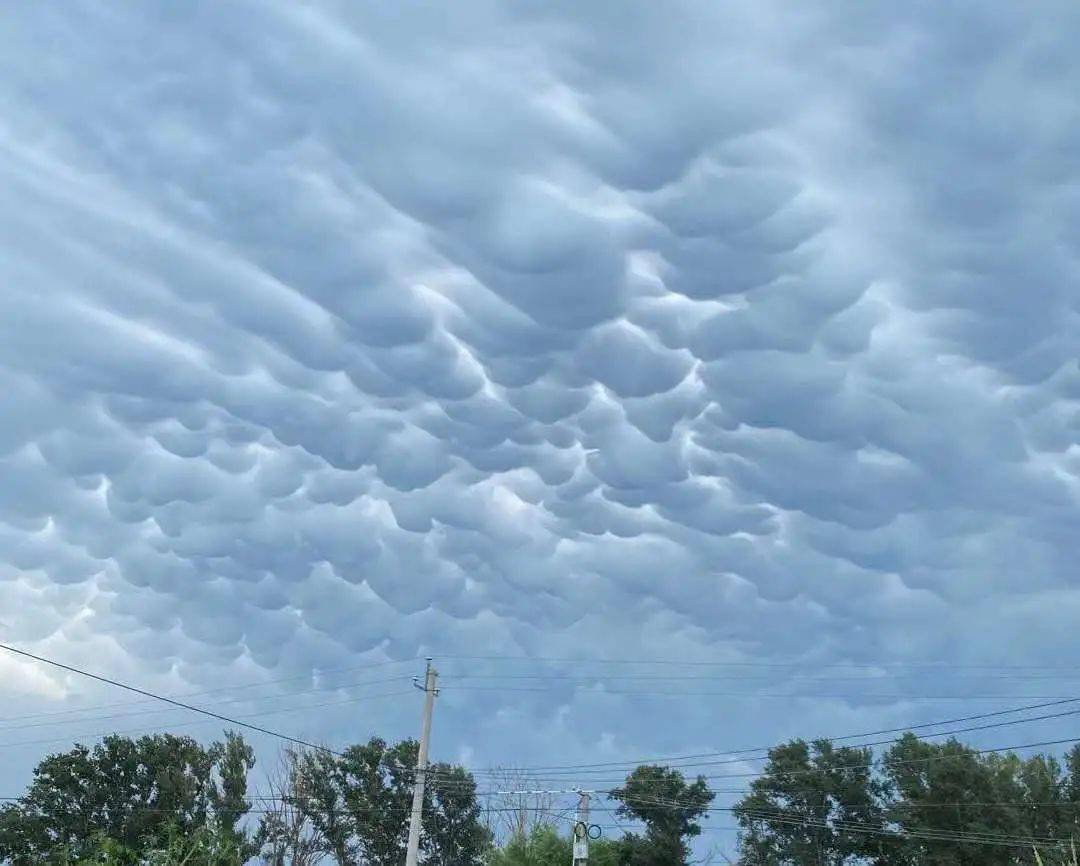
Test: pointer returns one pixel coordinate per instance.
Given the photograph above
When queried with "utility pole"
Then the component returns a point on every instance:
(581, 831)
(412, 853)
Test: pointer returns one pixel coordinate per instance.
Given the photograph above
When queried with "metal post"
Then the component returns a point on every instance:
(412, 853)
(581, 831)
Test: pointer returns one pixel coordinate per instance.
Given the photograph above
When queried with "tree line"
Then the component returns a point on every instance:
(166, 800)
(916, 804)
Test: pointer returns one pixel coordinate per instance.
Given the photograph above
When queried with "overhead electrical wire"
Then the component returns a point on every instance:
(782, 815)
(598, 787)
(922, 834)
(189, 724)
(769, 814)
(739, 760)
(751, 664)
(592, 678)
(928, 759)
(214, 691)
(258, 698)
(240, 722)
(942, 665)
(180, 704)
(668, 759)
(912, 761)
(605, 677)
(807, 696)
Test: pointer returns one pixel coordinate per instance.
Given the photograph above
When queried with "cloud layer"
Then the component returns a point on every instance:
(683, 330)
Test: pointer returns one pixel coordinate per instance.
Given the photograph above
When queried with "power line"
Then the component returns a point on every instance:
(788, 817)
(908, 761)
(806, 696)
(929, 759)
(384, 663)
(766, 757)
(81, 719)
(602, 787)
(777, 815)
(1003, 804)
(922, 834)
(165, 726)
(942, 665)
(604, 810)
(163, 699)
(669, 759)
(218, 690)
(931, 834)
(279, 735)
(331, 671)
(781, 814)
(598, 677)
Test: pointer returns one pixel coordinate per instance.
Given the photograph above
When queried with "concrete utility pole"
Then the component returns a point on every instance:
(581, 831)
(430, 691)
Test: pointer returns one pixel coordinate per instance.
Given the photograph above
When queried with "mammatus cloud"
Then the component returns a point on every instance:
(691, 331)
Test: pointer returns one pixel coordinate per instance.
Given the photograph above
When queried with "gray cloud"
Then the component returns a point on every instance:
(686, 331)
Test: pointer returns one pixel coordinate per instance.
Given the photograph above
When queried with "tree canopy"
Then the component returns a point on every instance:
(136, 794)
(164, 800)
(354, 809)
(669, 807)
(658, 797)
(546, 846)
(918, 804)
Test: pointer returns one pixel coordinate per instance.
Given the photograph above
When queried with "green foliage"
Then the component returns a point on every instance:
(228, 796)
(211, 845)
(453, 830)
(920, 803)
(658, 797)
(930, 778)
(116, 802)
(544, 846)
(103, 852)
(215, 844)
(807, 791)
(358, 807)
(669, 807)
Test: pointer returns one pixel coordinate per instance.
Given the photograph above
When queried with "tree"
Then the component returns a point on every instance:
(454, 831)
(669, 807)
(356, 808)
(133, 793)
(522, 809)
(949, 788)
(1070, 794)
(1044, 796)
(541, 846)
(798, 809)
(210, 845)
(214, 844)
(287, 836)
(233, 758)
(919, 804)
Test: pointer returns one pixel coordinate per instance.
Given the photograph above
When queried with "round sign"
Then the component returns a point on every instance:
(595, 831)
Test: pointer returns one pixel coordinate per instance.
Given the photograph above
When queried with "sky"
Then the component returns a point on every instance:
(737, 338)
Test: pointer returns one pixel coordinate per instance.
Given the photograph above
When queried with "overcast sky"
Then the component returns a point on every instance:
(338, 333)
